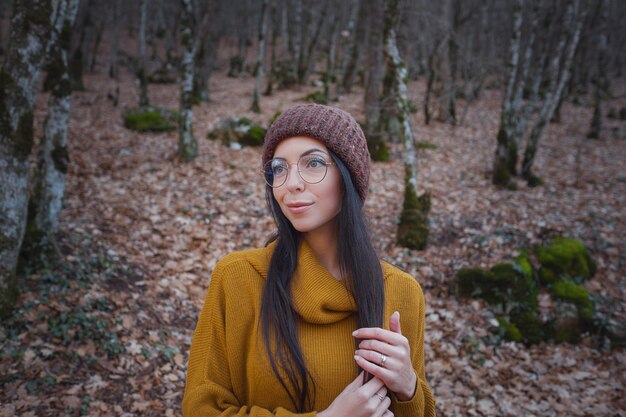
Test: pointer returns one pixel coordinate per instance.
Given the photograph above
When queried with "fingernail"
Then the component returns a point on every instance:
(357, 358)
(397, 313)
(355, 333)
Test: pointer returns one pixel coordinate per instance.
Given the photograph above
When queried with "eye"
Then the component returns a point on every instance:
(315, 162)
(278, 168)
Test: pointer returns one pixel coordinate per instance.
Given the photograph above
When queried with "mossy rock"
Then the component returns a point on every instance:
(504, 283)
(567, 327)
(413, 227)
(524, 263)
(578, 295)
(254, 136)
(150, 119)
(379, 151)
(508, 330)
(529, 325)
(239, 130)
(422, 144)
(565, 257)
(316, 97)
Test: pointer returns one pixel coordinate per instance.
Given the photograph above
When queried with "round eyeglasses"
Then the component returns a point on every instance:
(312, 168)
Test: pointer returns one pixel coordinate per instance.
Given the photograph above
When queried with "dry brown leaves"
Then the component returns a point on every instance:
(173, 221)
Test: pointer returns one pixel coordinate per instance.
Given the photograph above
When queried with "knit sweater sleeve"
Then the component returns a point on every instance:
(423, 402)
(208, 388)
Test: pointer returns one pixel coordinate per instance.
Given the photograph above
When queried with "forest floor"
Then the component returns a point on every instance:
(140, 232)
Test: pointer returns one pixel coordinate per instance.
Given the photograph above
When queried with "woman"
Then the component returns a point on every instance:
(313, 323)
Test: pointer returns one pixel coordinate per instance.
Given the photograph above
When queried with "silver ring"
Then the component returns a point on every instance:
(380, 396)
(383, 359)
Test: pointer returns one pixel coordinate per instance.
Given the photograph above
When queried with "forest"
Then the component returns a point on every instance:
(130, 164)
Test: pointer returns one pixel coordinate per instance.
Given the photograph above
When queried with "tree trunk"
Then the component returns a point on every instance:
(19, 76)
(187, 145)
(96, 47)
(260, 60)
(332, 51)
(297, 36)
(412, 229)
(141, 56)
(376, 144)
(376, 66)
(600, 81)
(442, 88)
(308, 61)
(355, 55)
(347, 45)
(272, 71)
(573, 25)
(115, 41)
(506, 150)
(39, 247)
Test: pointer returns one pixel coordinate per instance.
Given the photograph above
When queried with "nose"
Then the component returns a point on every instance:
(294, 181)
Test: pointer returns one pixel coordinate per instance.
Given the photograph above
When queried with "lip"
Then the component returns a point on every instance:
(298, 207)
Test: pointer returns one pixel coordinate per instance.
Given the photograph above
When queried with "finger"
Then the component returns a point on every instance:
(394, 322)
(372, 386)
(378, 346)
(373, 368)
(377, 358)
(387, 413)
(382, 408)
(358, 381)
(380, 334)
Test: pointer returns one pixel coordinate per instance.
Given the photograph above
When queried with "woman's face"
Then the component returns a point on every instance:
(307, 206)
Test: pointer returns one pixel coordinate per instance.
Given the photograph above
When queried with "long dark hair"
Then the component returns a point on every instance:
(360, 267)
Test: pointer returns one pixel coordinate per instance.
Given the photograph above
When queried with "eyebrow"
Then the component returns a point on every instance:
(312, 150)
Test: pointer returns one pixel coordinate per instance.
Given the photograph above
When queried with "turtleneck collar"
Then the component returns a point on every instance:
(317, 296)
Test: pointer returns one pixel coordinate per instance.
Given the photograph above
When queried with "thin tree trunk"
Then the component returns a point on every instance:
(348, 43)
(600, 81)
(260, 60)
(308, 61)
(376, 66)
(187, 145)
(272, 71)
(115, 41)
(19, 76)
(355, 55)
(506, 149)
(412, 229)
(96, 47)
(297, 36)
(141, 56)
(332, 51)
(442, 88)
(573, 25)
(48, 186)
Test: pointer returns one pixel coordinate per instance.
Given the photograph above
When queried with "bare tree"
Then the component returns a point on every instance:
(187, 145)
(349, 40)
(506, 149)
(19, 76)
(48, 185)
(600, 79)
(561, 63)
(260, 62)
(412, 229)
(141, 55)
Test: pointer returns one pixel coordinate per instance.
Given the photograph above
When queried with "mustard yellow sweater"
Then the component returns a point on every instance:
(229, 373)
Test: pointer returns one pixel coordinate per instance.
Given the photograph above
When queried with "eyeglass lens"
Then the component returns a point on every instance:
(311, 167)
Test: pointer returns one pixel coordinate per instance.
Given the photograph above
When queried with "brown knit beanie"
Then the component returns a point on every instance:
(333, 127)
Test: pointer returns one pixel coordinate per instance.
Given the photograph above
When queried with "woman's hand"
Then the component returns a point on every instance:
(386, 355)
(360, 400)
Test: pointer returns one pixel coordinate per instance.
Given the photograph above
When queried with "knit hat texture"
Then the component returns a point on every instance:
(335, 128)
